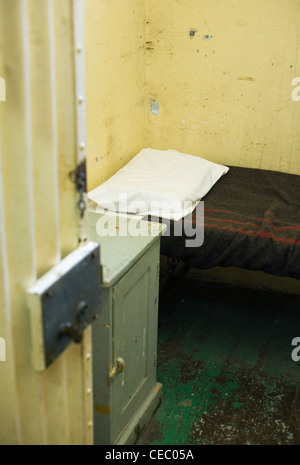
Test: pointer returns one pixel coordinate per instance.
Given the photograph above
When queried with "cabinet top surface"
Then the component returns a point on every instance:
(123, 241)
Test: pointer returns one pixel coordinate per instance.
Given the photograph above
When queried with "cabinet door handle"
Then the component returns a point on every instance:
(120, 365)
(111, 372)
(117, 368)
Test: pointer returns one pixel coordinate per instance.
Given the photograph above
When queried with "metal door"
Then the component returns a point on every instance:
(42, 183)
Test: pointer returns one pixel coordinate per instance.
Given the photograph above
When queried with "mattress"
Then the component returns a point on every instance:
(251, 220)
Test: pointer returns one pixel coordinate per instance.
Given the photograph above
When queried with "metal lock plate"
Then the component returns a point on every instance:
(63, 303)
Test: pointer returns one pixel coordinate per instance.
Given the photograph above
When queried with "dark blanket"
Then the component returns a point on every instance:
(251, 220)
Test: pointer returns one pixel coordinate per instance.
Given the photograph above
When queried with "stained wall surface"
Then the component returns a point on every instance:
(212, 78)
(115, 36)
(221, 72)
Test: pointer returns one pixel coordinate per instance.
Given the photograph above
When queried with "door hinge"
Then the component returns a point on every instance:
(78, 176)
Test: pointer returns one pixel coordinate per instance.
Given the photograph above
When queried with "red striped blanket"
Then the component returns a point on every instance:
(251, 220)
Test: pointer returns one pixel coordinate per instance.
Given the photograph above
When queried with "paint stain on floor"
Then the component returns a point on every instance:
(224, 360)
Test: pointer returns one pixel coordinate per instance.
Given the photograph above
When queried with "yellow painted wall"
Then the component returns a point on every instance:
(115, 84)
(225, 93)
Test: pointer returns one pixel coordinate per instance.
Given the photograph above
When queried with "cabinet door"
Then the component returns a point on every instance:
(135, 306)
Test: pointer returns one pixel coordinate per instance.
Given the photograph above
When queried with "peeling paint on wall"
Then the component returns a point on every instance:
(231, 52)
(192, 33)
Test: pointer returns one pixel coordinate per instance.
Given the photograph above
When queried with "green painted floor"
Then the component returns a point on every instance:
(224, 360)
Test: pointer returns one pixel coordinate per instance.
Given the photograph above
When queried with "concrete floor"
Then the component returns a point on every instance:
(224, 360)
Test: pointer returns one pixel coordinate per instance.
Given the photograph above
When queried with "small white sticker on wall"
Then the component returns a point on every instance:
(154, 107)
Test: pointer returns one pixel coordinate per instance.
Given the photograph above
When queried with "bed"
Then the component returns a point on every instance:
(251, 220)
(251, 217)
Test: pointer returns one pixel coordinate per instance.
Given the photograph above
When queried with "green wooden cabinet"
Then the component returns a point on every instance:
(124, 337)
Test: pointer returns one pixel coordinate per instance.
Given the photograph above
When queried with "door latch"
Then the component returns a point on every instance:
(63, 302)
